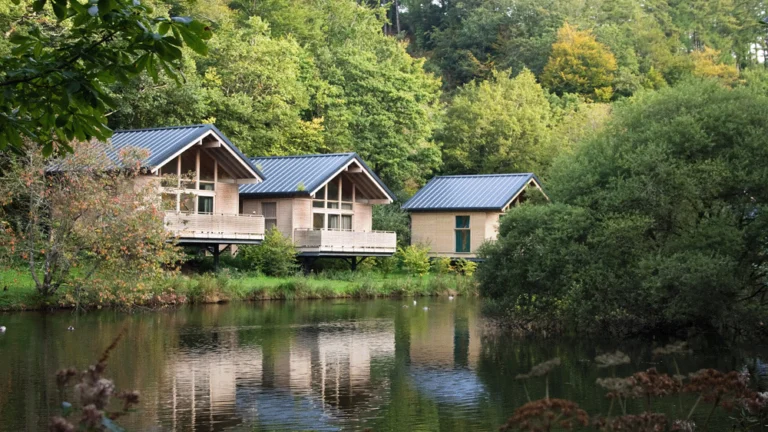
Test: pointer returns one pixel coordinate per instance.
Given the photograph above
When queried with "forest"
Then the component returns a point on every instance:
(420, 87)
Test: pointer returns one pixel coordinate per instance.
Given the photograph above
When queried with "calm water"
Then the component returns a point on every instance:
(314, 365)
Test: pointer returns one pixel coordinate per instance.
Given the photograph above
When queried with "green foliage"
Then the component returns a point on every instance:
(660, 220)
(499, 125)
(442, 265)
(414, 259)
(580, 64)
(54, 78)
(467, 268)
(276, 256)
(392, 217)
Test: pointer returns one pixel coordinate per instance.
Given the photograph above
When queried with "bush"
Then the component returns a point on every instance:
(276, 256)
(414, 259)
(660, 222)
(465, 267)
(442, 265)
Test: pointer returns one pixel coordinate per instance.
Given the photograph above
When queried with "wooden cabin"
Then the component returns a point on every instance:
(454, 215)
(197, 171)
(323, 202)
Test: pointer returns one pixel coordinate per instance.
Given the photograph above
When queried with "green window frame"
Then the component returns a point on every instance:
(463, 235)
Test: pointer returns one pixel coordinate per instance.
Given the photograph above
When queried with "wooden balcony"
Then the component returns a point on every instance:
(344, 243)
(212, 228)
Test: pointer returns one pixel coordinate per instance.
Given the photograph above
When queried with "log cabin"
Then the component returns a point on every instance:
(454, 215)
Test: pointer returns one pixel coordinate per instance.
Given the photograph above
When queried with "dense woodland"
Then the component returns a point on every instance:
(428, 86)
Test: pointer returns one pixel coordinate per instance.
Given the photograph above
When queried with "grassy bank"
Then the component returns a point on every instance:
(17, 290)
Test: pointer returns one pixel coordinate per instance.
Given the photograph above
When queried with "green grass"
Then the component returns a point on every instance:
(233, 286)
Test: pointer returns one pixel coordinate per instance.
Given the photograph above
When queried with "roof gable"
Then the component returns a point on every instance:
(304, 174)
(490, 192)
(164, 143)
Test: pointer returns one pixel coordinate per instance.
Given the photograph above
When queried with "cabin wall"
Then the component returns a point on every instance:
(362, 220)
(302, 213)
(227, 198)
(285, 210)
(437, 230)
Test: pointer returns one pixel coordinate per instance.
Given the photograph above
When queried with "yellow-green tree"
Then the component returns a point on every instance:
(579, 64)
(706, 64)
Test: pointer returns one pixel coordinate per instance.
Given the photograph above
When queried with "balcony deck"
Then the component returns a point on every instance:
(311, 242)
(202, 228)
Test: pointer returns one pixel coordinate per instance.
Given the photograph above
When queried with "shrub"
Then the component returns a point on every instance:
(465, 267)
(442, 265)
(276, 256)
(414, 259)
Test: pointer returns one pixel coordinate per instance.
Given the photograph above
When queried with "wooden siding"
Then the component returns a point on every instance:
(215, 226)
(227, 198)
(437, 230)
(346, 242)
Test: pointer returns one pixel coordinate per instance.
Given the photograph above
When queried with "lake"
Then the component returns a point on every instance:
(386, 365)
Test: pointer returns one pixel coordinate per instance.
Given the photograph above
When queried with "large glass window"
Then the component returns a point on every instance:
(207, 171)
(346, 222)
(169, 201)
(187, 203)
(346, 190)
(189, 169)
(333, 190)
(205, 204)
(333, 221)
(169, 173)
(318, 221)
(462, 234)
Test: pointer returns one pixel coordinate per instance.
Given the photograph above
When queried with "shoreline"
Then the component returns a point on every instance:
(181, 290)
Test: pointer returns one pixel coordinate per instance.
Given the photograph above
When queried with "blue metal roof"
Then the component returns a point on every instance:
(489, 192)
(164, 142)
(302, 175)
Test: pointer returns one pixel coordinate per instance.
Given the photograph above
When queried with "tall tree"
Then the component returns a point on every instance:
(497, 126)
(580, 64)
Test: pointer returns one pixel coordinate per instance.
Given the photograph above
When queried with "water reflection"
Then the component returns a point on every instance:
(340, 365)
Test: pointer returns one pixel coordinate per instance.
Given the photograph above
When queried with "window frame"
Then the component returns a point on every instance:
(463, 229)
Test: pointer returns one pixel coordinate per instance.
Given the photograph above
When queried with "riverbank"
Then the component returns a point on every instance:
(17, 289)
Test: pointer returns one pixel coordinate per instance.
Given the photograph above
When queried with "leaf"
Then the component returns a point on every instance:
(38, 5)
(163, 28)
(193, 40)
(60, 9)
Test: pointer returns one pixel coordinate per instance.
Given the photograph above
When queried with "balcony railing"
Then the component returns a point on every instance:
(202, 226)
(345, 241)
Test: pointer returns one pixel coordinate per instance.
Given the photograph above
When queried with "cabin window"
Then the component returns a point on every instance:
(205, 204)
(187, 203)
(319, 201)
(189, 169)
(462, 234)
(346, 222)
(333, 222)
(347, 194)
(269, 211)
(333, 190)
(318, 221)
(169, 201)
(207, 172)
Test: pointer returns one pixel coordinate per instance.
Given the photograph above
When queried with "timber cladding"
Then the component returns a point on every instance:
(438, 230)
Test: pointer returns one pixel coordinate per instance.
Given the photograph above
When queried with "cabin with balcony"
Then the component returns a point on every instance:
(197, 171)
(454, 215)
(323, 202)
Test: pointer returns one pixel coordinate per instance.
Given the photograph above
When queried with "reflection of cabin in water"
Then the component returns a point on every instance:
(454, 215)
(320, 375)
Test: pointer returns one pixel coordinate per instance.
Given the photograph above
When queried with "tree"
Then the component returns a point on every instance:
(660, 218)
(72, 218)
(392, 217)
(54, 81)
(579, 64)
(706, 64)
(498, 126)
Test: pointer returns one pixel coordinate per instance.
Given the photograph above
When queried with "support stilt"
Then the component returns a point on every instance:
(216, 253)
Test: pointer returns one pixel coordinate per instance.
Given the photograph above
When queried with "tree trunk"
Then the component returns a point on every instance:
(397, 16)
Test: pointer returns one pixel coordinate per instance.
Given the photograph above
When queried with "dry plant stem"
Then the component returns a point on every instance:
(680, 381)
(527, 396)
(711, 411)
(546, 386)
(693, 408)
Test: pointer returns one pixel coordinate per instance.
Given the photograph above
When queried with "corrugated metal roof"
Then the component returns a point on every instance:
(468, 192)
(164, 142)
(301, 175)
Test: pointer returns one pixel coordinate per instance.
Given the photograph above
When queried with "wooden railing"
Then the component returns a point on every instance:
(215, 226)
(345, 241)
